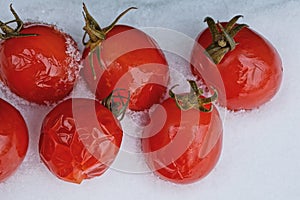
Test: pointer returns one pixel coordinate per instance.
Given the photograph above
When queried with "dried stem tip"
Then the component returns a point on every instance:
(223, 37)
(94, 31)
(8, 32)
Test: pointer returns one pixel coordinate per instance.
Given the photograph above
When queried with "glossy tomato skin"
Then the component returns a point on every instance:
(13, 139)
(251, 73)
(42, 68)
(79, 140)
(182, 146)
(131, 60)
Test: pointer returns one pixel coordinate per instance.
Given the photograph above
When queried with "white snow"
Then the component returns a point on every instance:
(261, 152)
(75, 57)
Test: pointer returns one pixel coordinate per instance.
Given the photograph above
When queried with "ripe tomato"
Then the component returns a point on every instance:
(182, 146)
(40, 68)
(79, 139)
(249, 66)
(124, 58)
(13, 139)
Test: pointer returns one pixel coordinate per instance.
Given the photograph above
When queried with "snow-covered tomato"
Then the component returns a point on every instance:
(250, 68)
(183, 142)
(38, 62)
(79, 140)
(13, 139)
(121, 56)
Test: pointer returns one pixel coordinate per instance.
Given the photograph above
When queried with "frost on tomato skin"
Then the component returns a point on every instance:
(79, 140)
(186, 147)
(251, 73)
(41, 68)
(126, 58)
(13, 140)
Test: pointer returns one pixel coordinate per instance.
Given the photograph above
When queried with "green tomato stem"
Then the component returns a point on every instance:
(194, 99)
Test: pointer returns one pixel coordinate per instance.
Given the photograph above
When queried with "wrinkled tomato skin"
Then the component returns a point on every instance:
(79, 140)
(186, 147)
(13, 140)
(42, 68)
(130, 60)
(251, 73)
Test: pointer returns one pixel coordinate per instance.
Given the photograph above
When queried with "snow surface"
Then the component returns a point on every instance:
(261, 153)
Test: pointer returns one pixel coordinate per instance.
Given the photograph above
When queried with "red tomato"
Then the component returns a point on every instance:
(125, 58)
(41, 68)
(13, 139)
(182, 146)
(79, 140)
(251, 71)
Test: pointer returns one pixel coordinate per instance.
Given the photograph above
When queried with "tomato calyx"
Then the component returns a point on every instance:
(94, 31)
(117, 102)
(9, 32)
(194, 99)
(96, 35)
(223, 37)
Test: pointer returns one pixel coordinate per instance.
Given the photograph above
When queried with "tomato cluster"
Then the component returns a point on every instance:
(126, 69)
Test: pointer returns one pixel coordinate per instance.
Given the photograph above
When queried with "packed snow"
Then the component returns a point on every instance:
(260, 157)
